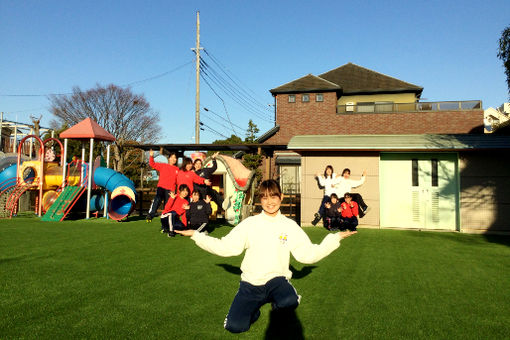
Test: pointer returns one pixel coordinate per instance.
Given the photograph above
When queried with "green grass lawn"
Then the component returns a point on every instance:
(103, 279)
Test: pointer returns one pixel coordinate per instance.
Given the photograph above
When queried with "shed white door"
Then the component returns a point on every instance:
(419, 190)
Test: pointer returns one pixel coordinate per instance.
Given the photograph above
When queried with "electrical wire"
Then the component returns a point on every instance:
(241, 101)
(232, 91)
(223, 69)
(126, 85)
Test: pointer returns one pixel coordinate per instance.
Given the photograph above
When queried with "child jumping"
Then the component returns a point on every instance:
(268, 238)
(166, 184)
(327, 182)
(174, 216)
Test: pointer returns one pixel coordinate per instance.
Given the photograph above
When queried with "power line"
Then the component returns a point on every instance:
(232, 91)
(223, 69)
(224, 126)
(241, 101)
(228, 117)
(126, 85)
(212, 130)
(219, 116)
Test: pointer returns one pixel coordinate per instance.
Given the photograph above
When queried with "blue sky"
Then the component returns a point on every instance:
(448, 47)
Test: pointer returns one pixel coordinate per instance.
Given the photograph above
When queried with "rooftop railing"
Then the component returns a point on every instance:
(388, 107)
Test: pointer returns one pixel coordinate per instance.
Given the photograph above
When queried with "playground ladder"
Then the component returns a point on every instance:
(63, 204)
(19, 189)
(4, 195)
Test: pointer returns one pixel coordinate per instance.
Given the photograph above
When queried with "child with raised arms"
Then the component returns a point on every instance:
(268, 239)
(166, 184)
(174, 215)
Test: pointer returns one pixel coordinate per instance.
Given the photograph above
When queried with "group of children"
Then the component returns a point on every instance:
(189, 207)
(340, 208)
(267, 239)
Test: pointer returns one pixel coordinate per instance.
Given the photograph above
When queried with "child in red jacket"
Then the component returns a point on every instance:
(174, 215)
(166, 184)
(187, 176)
(350, 213)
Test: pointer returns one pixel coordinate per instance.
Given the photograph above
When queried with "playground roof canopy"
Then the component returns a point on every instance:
(179, 149)
(87, 129)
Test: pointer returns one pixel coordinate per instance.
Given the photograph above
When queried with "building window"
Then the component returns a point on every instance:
(292, 98)
(319, 97)
(305, 98)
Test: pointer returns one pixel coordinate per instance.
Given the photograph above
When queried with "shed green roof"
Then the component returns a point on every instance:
(399, 142)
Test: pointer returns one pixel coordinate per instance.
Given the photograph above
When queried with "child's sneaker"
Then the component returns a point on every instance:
(171, 234)
(316, 219)
(148, 219)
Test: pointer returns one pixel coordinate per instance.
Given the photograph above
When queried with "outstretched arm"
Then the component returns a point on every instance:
(307, 252)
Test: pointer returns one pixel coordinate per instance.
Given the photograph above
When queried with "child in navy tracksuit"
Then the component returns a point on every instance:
(333, 213)
(199, 210)
(174, 216)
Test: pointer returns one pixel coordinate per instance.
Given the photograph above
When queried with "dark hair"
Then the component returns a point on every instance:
(183, 187)
(347, 195)
(333, 195)
(197, 160)
(185, 161)
(346, 170)
(328, 167)
(269, 187)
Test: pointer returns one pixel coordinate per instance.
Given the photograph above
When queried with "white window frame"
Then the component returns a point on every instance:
(319, 97)
(307, 96)
(292, 98)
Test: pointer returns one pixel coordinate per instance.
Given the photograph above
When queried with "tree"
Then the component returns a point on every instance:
(127, 116)
(233, 139)
(504, 54)
(251, 132)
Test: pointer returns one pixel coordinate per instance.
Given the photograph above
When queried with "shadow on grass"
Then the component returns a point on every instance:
(230, 268)
(284, 324)
(299, 274)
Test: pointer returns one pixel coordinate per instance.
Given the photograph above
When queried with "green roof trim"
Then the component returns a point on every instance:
(399, 142)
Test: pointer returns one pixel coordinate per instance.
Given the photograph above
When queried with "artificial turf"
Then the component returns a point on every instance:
(103, 279)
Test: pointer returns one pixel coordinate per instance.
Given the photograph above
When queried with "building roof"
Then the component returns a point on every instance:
(349, 79)
(399, 142)
(87, 129)
(179, 149)
(356, 79)
(308, 83)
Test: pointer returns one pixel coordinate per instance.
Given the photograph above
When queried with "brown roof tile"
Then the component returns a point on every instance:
(308, 83)
(356, 79)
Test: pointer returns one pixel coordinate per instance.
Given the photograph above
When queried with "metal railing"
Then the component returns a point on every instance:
(388, 107)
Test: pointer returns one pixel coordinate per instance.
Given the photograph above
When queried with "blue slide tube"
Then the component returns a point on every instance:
(122, 204)
(8, 177)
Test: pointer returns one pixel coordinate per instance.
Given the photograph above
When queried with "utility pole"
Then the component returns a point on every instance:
(197, 96)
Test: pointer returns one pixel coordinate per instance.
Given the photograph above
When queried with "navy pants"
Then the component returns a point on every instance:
(161, 196)
(322, 208)
(245, 308)
(349, 223)
(332, 222)
(172, 222)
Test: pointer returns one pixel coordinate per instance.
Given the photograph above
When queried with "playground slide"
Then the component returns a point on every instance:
(123, 193)
(8, 177)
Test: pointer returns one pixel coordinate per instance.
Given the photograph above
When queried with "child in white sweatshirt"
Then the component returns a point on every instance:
(268, 238)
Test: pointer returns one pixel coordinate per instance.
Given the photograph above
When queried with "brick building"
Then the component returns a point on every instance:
(430, 159)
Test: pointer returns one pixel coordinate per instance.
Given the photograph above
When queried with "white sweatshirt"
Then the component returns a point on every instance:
(268, 242)
(343, 185)
(328, 183)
